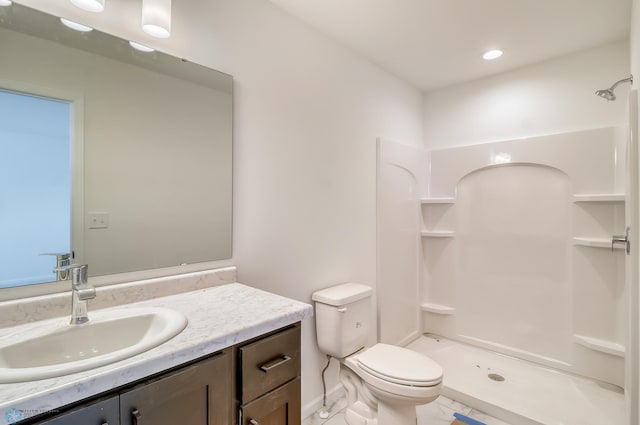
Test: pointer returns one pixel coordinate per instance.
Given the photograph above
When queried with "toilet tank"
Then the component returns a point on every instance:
(343, 318)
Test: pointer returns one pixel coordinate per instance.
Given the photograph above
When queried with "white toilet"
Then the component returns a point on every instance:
(384, 383)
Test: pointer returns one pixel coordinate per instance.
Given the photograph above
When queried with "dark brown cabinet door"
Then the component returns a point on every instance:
(102, 412)
(278, 407)
(199, 394)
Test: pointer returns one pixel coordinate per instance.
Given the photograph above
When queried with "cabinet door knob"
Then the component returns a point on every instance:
(135, 416)
(253, 422)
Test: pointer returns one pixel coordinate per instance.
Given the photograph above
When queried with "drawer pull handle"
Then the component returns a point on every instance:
(135, 416)
(272, 364)
(253, 422)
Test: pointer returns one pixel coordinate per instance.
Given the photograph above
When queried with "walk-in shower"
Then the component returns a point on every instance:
(521, 297)
(608, 93)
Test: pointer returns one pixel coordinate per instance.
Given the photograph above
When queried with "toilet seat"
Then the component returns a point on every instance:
(400, 366)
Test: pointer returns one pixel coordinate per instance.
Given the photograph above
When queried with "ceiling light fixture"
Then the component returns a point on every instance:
(90, 5)
(492, 54)
(156, 17)
(5, 2)
(141, 47)
(75, 26)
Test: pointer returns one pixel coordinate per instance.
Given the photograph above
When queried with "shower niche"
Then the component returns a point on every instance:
(516, 249)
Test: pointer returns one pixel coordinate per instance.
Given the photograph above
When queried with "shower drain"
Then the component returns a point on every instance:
(496, 377)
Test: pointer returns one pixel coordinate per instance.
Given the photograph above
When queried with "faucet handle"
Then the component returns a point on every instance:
(79, 282)
(78, 273)
(68, 267)
(63, 259)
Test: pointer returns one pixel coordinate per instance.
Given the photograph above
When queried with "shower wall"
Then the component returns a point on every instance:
(401, 181)
(516, 249)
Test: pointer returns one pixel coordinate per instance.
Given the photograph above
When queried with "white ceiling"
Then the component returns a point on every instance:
(437, 43)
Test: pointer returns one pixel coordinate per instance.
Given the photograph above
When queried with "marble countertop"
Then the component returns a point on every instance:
(219, 317)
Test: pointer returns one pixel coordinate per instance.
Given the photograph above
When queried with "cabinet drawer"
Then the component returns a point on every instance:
(279, 407)
(269, 362)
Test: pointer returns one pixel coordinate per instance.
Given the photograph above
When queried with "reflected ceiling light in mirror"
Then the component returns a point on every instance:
(141, 47)
(75, 26)
(492, 54)
(156, 18)
(5, 2)
(501, 158)
(90, 5)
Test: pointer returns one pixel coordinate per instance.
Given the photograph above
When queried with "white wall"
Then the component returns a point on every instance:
(551, 97)
(307, 114)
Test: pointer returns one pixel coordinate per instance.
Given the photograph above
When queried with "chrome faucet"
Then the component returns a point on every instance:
(81, 292)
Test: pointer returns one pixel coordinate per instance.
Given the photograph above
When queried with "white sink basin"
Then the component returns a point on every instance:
(111, 335)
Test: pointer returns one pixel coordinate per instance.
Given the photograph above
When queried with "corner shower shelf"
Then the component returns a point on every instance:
(596, 243)
(438, 233)
(444, 200)
(601, 345)
(599, 197)
(438, 309)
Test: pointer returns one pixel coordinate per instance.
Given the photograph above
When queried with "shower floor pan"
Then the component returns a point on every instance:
(520, 392)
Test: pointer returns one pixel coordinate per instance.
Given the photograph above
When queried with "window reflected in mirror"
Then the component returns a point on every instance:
(35, 197)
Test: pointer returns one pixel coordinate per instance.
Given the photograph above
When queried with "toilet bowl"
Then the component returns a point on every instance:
(383, 383)
(398, 380)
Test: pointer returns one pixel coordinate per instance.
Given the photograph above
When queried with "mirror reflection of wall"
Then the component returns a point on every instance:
(156, 142)
(35, 196)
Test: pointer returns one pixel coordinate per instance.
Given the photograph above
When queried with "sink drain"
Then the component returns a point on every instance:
(496, 377)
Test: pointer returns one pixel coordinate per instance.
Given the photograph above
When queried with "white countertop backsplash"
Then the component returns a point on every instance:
(44, 307)
(219, 317)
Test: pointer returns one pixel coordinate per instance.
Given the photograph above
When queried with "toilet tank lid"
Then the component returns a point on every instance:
(342, 294)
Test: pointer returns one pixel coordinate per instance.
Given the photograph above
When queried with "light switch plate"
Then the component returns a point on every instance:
(98, 220)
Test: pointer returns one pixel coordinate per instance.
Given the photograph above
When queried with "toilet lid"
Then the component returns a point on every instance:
(400, 365)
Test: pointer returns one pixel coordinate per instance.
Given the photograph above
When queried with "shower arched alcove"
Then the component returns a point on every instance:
(513, 277)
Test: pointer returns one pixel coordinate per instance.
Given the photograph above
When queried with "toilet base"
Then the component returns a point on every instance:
(368, 405)
(396, 414)
(354, 415)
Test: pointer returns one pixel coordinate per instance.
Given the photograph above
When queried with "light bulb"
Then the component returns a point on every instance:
(141, 47)
(156, 18)
(90, 5)
(75, 26)
(492, 54)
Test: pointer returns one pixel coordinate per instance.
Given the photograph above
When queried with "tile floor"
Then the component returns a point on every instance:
(439, 412)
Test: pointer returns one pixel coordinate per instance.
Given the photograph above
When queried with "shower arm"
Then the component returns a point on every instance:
(626, 80)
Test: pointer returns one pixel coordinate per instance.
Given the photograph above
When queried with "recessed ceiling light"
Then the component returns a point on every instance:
(492, 54)
(90, 5)
(75, 26)
(141, 47)
(5, 2)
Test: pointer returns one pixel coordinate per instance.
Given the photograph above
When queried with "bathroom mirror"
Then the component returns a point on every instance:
(149, 150)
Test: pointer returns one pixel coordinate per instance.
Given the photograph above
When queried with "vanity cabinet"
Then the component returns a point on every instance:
(101, 412)
(252, 383)
(269, 379)
(278, 407)
(196, 394)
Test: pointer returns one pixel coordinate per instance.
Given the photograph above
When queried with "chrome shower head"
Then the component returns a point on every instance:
(608, 93)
